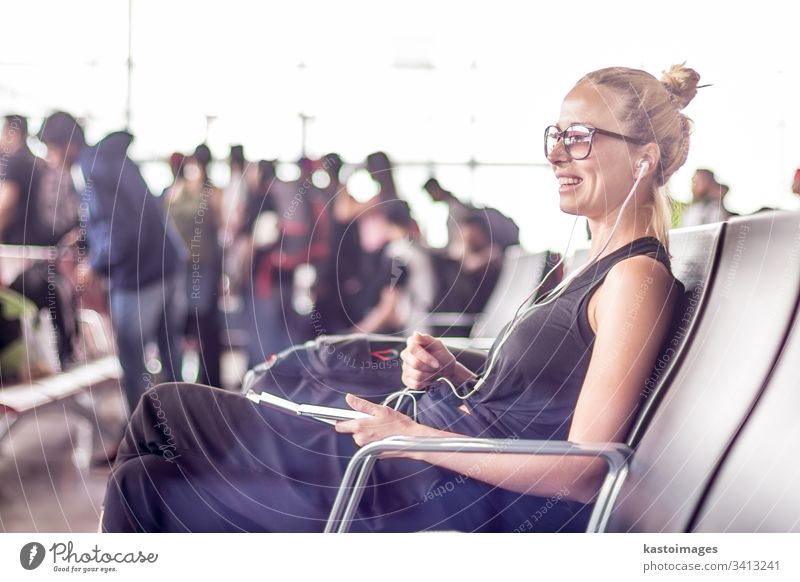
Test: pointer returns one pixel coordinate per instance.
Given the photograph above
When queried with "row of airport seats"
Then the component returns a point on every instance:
(712, 448)
(72, 390)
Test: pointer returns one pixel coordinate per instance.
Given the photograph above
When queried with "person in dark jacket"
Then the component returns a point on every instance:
(39, 209)
(130, 243)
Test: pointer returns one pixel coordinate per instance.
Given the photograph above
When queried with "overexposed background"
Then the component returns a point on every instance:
(437, 85)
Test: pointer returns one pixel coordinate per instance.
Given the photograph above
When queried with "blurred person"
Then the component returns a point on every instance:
(14, 135)
(37, 206)
(707, 204)
(320, 199)
(457, 213)
(40, 208)
(194, 204)
(400, 285)
(481, 264)
(130, 244)
(176, 162)
(382, 171)
(260, 236)
(503, 230)
(340, 276)
(19, 186)
(466, 283)
(234, 195)
(275, 230)
(322, 243)
(570, 369)
(234, 200)
(364, 234)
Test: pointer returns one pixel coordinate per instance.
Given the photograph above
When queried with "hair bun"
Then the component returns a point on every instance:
(681, 82)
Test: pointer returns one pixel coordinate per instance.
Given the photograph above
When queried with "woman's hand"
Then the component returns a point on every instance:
(384, 422)
(426, 358)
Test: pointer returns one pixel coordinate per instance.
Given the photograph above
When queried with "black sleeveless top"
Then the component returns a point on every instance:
(532, 390)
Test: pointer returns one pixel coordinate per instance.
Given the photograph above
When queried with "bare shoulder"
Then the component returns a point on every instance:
(640, 269)
(640, 283)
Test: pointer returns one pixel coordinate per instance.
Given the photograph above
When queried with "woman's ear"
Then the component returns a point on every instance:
(648, 160)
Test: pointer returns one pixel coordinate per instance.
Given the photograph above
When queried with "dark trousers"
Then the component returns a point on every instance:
(201, 459)
(203, 318)
(152, 313)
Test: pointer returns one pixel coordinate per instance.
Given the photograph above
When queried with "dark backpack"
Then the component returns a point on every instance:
(323, 370)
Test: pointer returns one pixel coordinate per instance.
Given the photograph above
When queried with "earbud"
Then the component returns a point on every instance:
(643, 165)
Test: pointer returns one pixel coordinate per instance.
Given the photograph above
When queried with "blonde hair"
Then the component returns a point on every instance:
(652, 112)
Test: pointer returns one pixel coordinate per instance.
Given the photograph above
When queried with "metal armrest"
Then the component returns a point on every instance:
(358, 470)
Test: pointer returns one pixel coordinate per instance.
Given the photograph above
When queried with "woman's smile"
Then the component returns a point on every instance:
(568, 183)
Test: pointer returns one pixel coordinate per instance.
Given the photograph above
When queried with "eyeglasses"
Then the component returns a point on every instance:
(577, 139)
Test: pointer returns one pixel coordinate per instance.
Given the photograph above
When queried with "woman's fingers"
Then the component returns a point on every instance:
(416, 379)
(417, 357)
(423, 339)
(362, 405)
(433, 346)
(412, 383)
(411, 362)
(346, 426)
(421, 365)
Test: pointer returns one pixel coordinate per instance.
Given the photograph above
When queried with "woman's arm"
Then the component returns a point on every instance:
(633, 312)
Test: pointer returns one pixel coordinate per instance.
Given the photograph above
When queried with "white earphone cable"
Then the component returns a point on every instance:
(555, 293)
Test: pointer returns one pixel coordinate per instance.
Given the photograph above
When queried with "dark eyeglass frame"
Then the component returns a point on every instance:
(559, 134)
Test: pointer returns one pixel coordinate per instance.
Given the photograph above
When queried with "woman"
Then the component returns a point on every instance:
(193, 203)
(272, 253)
(572, 368)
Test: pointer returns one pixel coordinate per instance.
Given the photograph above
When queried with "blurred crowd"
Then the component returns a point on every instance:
(300, 258)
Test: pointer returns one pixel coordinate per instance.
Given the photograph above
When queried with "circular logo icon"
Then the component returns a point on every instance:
(31, 555)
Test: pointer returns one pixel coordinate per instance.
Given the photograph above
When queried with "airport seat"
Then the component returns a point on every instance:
(694, 254)
(755, 486)
(736, 327)
(520, 273)
(71, 388)
(729, 359)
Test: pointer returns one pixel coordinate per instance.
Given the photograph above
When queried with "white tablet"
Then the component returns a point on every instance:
(326, 414)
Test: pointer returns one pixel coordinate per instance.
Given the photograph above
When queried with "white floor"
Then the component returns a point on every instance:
(50, 477)
(48, 482)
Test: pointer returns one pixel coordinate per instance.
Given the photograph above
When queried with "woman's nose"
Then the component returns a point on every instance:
(558, 153)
